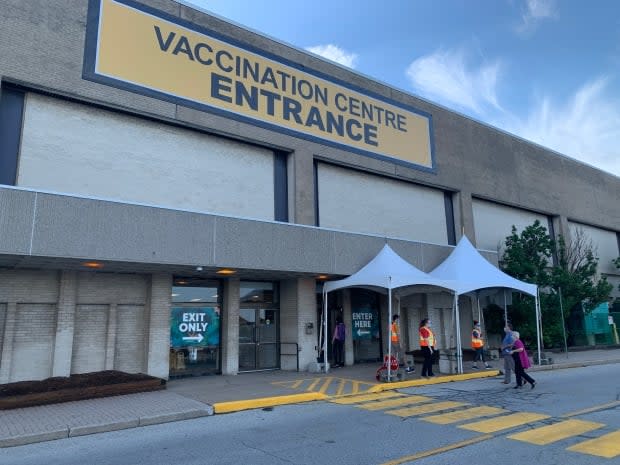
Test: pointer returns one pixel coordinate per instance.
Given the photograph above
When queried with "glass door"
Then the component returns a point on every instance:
(258, 339)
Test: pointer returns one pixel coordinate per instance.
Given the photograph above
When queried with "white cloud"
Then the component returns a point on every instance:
(535, 12)
(445, 77)
(586, 127)
(335, 53)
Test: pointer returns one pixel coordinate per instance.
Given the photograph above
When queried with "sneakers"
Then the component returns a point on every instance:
(486, 367)
(409, 369)
(475, 367)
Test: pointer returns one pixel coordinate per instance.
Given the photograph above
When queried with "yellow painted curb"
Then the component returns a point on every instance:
(434, 380)
(238, 405)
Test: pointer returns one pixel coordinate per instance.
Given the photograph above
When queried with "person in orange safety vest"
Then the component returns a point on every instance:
(427, 344)
(477, 343)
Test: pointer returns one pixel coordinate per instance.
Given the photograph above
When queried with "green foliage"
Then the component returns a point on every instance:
(528, 254)
(528, 257)
(575, 275)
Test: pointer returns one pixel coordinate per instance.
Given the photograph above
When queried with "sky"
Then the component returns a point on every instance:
(545, 70)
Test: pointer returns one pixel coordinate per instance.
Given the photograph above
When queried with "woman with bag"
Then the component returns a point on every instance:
(522, 361)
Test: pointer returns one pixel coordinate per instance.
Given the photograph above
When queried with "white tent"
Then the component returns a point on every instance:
(387, 271)
(470, 271)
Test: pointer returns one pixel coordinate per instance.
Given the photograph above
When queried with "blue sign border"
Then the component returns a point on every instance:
(89, 73)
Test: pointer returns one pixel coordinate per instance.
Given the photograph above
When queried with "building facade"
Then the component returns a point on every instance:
(175, 188)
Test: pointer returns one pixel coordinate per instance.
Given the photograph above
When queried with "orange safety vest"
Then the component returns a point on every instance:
(431, 339)
(476, 341)
(394, 332)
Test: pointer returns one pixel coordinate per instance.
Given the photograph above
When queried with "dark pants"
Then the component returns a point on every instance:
(479, 355)
(338, 352)
(427, 367)
(520, 371)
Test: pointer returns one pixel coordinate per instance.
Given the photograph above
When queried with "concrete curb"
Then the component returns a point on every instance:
(83, 430)
(238, 405)
(438, 380)
(561, 366)
(175, 416)
(22, 440)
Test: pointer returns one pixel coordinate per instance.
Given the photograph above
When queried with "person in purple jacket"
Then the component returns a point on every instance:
(522, 361)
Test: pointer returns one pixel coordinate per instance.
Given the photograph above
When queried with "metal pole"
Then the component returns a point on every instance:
(389, 362)
(325, 362)
(459, 348)
(538, 326)
(562, 320)
(505, 309)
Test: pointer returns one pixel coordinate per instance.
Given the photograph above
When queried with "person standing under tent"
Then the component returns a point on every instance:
(338, 342)
(477, 343)
(522, 361)
(509, 363)
(427, 344)
(397, 351)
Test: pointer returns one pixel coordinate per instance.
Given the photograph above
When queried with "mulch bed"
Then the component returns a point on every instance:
(76, 387)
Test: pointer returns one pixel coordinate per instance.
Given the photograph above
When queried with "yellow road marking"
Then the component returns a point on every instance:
(296, 384)
(326, 385)
(237, 405)
(556, 432)
(607, 446)
(468, 414)
(366, 397)
(426, 408)
(592, 409)
(313, 384)
(435, 380)
(381, 405)
(505, 422)
(341, 386)
(356, 387)
(439, 450)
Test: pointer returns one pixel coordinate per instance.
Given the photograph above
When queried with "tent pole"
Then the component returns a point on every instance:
(325, 361)
(505, 309)
(389, 363)
(459, 348)
(538, 326)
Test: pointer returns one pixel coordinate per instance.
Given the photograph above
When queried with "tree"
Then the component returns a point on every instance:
(528, 257)
(576, 274)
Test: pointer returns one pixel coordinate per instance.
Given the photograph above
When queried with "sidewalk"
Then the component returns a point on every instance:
(202, 396)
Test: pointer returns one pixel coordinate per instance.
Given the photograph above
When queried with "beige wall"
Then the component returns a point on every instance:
(110, 329)
(605, 245)
(71, 148)
(493, 223)
(351, 200)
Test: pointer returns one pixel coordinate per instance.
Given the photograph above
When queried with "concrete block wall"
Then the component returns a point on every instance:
(297, 309)
(230, 327)
(57, 323)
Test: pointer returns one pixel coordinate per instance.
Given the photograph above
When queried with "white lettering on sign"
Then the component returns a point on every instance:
(193, 323)
(193, 327)
(362, 316)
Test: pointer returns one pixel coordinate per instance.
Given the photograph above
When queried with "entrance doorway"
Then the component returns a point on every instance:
(258, 339)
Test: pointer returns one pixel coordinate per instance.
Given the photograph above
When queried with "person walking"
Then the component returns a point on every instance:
(522, 361)
(338, 342)
(509, 363)
(477, 343)
(427, 344)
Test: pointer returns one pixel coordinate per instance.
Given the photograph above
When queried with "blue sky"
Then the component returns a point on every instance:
(545, 70)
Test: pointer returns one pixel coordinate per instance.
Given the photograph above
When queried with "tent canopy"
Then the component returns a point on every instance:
(470, 271)
(388, 270)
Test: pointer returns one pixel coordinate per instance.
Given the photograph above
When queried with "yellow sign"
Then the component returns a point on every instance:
(143, 50)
